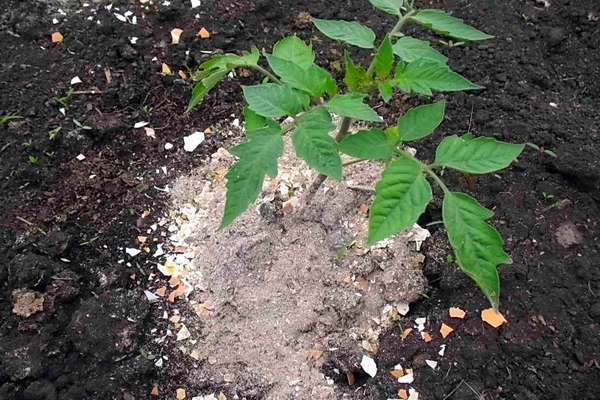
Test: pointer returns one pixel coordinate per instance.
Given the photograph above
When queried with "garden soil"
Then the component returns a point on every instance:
(86, 215)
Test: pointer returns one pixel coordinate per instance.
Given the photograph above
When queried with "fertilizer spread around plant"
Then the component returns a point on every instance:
(116, 284)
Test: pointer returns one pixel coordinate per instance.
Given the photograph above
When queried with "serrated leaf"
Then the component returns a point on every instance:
(295, 50)
(385, 90)
(421, 121)
(400, 198)
(389, 6)
(314, 80)
(273, 100)
(350, 32)
(384, 58)
(313, 144)
(410, 49)
(258, 157)
(355, 76)
(425, 75)
(203, 87)
(476, 244)
(227, 62)
(253, 120)
(351, 105)
(372, 145)
(448, 25)
(476, 156)
(211, 71)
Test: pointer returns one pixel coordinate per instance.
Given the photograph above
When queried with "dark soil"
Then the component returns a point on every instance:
(63, 233)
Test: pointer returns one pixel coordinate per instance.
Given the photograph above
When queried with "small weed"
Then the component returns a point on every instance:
(541, 150)
(51, 154)
(64, 101)
(53, 133)
(33, 159)
(547, 196)
(4, 119)
(147, 110)
(27, 143)
(81, 126)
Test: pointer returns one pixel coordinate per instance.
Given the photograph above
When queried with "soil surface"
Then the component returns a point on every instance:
(84, 213)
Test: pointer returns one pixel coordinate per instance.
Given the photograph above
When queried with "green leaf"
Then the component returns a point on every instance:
(476, 244)
(295, 50)
(203, 87)
(227, 62)
(211, 71)
(350, 32)
(389, 6)
(272, 100)
(312, 143)
(355, 76)
(351, 105)
(410, 49)
(448, 25)
(253, 120)
(421, 121)
(400, 198)
(314, 80)
(385, 90)
(372, 145)
(384, 58)
(476, 156)
(424, 75)
(257, 158)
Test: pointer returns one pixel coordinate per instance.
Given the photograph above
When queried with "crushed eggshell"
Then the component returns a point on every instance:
(154, 391)
(397, 373)
(183, 333)
(195, 3)
(150, 132)
(194, 140)
(182, 74)
(426, 337)
(142, 239)
(181, 394)
(75, 81)
(442, 350)
(165, 69)
(57, 37)
(445, 330)
(406, 332)
(176, 35)
(151, 296)
(175, 319)
(161, 291)
(456, 312)
(132, 252)
(492, 317)
(204, 33)
(140, 124)
(431, 363)
(408, 377)
(368, 365)
(315, 353)
(168, 269)
(195, 354)
(403, 308)
(174, 281)
(403, 394)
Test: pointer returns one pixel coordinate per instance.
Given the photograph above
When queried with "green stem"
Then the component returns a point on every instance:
(403, 20)
(265, 72)
(427, 168)
(358, 160)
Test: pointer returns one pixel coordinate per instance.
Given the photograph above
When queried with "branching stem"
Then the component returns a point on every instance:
(265, 72)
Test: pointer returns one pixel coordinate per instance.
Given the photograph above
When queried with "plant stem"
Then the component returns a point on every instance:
(403, 20)
(358, 160)
(316, 184)
(266, 72)
(427, 168)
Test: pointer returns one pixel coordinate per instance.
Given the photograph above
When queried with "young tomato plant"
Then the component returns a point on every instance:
(296, 87)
